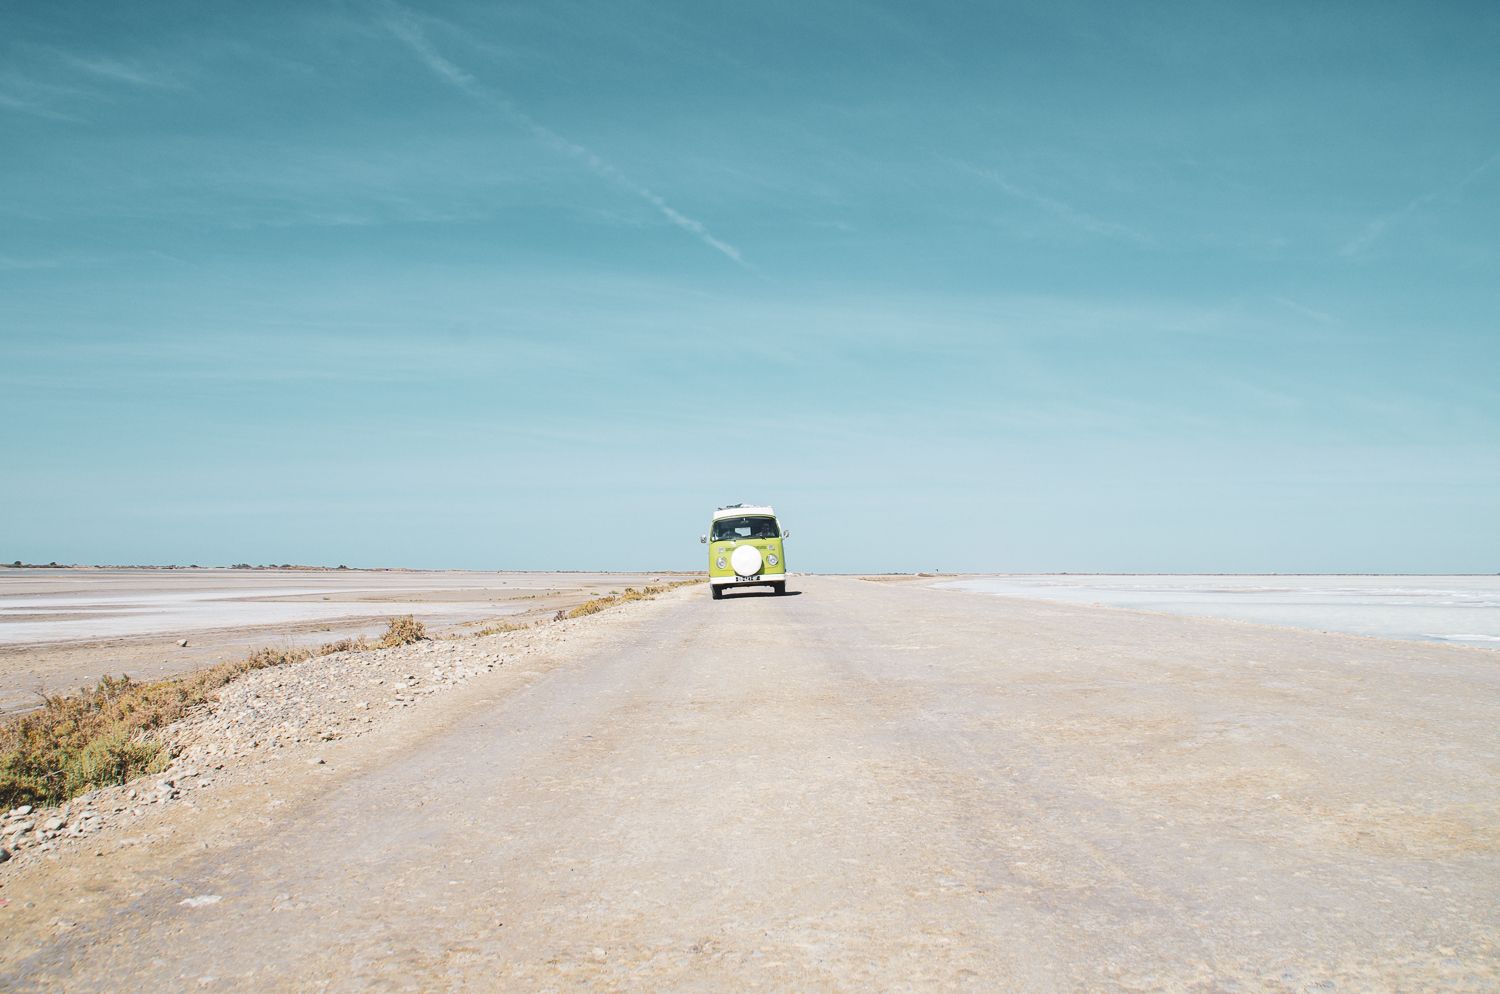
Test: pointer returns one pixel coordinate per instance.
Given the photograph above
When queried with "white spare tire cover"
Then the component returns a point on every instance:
(745, 560)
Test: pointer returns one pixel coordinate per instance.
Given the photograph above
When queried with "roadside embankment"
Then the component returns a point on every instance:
(98, 759)
(62, 629)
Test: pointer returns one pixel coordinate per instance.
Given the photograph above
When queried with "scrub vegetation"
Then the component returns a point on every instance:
(501, 628)
(403, 631)
(109, 734)
(624, 597)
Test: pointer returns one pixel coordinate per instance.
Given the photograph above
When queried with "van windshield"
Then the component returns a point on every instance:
(729, 529)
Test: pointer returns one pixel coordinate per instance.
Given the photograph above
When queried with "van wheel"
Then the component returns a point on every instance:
(779, 588)
(718, 592)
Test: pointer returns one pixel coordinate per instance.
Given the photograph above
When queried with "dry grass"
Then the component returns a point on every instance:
(610, 600)
(500, 628)
(360, 644)
(108, 734)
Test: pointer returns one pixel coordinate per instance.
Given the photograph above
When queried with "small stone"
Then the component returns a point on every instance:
(53, 824)
(316, 761)
(201, 901)
(182, 643)
(4, 854)
(21, 812)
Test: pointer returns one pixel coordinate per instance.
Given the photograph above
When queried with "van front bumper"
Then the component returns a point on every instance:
(747, 581)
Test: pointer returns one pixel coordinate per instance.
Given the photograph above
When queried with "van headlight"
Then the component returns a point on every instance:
(721, 563)
(771, 558)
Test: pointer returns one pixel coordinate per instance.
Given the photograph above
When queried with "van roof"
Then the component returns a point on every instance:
(741, 510)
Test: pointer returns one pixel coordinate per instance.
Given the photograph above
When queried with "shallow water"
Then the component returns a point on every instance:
(1463, 610)
(41, 606)
(45, 619)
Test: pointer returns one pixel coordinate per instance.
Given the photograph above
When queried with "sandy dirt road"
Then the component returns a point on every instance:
(864, 787)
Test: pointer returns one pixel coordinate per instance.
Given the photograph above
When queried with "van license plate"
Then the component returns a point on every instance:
(742, 579)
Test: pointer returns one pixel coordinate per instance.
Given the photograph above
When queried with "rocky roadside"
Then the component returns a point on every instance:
(267, 716)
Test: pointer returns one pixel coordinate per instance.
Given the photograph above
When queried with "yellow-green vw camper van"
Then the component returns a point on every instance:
(744, 549)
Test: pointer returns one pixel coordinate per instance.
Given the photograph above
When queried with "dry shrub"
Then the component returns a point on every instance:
(107, 734)
(403, 630)
(71, 742)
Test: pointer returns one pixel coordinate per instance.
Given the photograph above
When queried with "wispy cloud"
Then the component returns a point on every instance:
(29, 96)
(1376, 228)
(14, 264)
(116, 70)
(67, 79)
(1059, 209)
(404, 25)
(1308, 312)
(32, 107)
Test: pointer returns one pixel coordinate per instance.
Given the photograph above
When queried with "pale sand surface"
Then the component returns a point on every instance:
(64, 628)
(866, 787)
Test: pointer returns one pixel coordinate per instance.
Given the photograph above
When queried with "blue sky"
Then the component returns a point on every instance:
(1052, 286)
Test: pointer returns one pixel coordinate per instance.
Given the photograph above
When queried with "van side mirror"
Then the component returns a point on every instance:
(786, 533)
(703, 539)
